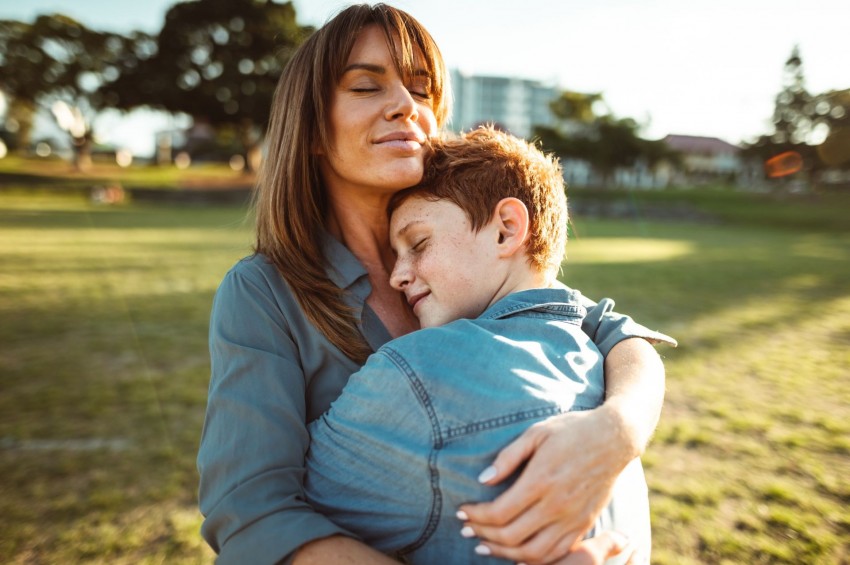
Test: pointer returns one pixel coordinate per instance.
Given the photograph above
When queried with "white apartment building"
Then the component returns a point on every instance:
(515, 104)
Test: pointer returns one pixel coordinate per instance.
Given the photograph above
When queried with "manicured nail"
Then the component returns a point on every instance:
(467, 532)
(482, 550)
(461, 515)
(487, 474)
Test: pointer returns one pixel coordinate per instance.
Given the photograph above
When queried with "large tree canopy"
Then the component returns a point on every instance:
(59, 64)
(216, 60)
(816, 127)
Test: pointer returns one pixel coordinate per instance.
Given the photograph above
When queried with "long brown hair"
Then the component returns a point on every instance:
(290, 201)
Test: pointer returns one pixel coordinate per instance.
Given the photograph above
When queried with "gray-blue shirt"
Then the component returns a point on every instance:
(272, 373)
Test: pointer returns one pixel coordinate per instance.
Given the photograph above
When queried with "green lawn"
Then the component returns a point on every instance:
(103, 316)
(59, 174)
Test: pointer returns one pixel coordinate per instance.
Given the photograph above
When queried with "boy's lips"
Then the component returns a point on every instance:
(415, 299)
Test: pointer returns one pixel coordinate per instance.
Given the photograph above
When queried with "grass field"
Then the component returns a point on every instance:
(103, 361)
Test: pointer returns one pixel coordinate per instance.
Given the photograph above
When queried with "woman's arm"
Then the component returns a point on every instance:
(573, 461)
(251, 456)
(339, 549)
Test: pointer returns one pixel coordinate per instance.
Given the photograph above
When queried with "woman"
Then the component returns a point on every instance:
(350, 123)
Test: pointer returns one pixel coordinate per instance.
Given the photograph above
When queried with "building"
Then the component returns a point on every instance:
(516, 105)
(704, 160)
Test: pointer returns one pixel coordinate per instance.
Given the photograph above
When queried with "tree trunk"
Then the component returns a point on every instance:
(250, 145)
(82, 153)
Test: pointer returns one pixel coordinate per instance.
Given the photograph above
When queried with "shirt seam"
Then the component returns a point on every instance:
(508, 419)
(436, 444)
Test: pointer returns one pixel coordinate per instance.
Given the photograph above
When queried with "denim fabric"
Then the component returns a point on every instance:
(272, 372)
(401, 448)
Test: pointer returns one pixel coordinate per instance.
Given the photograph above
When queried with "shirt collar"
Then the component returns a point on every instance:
(341, 265)
(558, 301)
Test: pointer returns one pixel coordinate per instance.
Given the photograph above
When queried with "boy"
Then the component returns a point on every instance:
(479, 243)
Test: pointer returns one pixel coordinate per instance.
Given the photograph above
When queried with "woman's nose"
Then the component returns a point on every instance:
(401, 104)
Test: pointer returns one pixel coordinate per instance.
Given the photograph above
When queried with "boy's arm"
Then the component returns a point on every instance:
(367, 467)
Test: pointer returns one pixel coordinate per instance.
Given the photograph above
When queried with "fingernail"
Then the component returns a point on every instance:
(461, 515)
(467, 532)
(482, 550)
(487, 474)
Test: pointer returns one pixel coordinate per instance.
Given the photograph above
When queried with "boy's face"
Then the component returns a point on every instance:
(444, 268)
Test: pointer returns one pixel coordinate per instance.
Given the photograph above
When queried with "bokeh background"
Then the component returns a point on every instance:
(707, 151)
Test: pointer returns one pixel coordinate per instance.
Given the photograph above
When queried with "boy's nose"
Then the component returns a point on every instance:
(400, 277)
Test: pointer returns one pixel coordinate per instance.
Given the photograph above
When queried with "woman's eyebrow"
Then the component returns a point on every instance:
(381, 70)
(377, 69)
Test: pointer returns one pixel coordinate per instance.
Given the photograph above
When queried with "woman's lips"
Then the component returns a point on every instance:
(404, 140)
(413, 136)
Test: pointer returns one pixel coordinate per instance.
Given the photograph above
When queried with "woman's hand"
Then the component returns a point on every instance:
(573, 462)
(596, 550)
(343, 550)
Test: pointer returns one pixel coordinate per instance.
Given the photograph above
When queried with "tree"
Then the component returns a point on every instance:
(616, 144)
(602, 140)
(576, 107)
(795, 120)
(792, 115)
(833, 111)
(58, 64)
(218, 61)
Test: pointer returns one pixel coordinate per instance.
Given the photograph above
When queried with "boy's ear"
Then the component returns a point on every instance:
(511, 222)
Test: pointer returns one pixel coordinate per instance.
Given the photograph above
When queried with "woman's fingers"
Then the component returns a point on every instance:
(525, 492)
(595, 550)
(552, 503)
(512, 534)
(499, 513)
(511, 457)
(537, 550)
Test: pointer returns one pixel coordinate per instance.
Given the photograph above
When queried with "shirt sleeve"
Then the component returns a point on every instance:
(251, 456)
(608, 328)
(368, 465)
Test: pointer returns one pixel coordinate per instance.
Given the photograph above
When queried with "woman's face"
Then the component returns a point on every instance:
(379, 123)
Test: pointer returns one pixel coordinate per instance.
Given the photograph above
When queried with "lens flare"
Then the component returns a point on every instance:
(783, 164)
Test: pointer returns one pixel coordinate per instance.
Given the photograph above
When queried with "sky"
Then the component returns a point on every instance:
(694, 67)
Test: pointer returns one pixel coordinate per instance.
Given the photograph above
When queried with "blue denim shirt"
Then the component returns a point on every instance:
(401, 448)
(272, 372)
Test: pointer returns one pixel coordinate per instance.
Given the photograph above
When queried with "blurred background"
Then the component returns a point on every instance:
(706, 146)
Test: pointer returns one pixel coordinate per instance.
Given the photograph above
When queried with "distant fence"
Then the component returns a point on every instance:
(200, 196)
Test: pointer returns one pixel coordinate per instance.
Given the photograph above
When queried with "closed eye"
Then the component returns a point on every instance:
(420, 86)
(424, 95)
